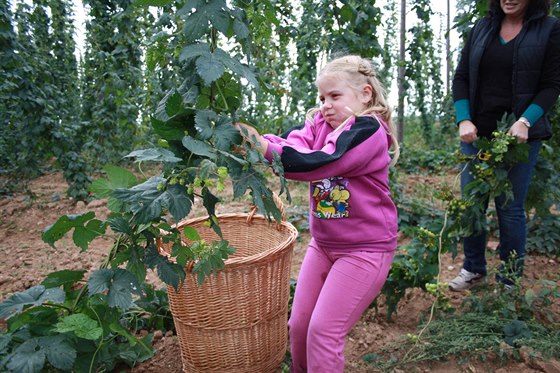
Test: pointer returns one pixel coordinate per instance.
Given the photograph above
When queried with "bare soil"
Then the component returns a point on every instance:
(26, 260)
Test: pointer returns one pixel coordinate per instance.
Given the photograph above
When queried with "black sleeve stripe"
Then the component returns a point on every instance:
(362, 129)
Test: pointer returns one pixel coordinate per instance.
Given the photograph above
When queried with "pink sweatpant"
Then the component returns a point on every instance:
(334, 288)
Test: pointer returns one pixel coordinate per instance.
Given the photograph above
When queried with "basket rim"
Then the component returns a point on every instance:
(238, 261)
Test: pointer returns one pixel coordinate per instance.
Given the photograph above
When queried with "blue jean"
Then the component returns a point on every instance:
(511, 221)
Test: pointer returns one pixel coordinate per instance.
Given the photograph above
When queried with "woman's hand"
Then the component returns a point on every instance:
(467, 131)
(520, 131)
(251, 135)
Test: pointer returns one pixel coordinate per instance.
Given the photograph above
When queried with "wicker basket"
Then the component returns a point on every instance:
(237, 320)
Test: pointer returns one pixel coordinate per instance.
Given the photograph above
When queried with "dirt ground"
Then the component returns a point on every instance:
(26, 260)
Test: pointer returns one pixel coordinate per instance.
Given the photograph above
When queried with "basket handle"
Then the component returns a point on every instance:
(278, 203)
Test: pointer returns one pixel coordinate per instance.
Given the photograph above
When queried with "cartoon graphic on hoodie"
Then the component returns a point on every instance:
(331, 198)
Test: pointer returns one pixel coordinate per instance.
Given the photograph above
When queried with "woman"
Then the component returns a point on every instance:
(509, 64)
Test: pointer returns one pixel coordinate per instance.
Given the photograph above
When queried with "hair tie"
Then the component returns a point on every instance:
(366, 70)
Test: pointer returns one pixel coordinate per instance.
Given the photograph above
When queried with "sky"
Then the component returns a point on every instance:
(438, 6)
(79, 16)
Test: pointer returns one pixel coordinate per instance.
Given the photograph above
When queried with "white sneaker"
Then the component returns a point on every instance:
(466, 280)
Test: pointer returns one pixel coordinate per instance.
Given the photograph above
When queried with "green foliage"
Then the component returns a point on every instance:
(155, 313)
(413, 212)
(9, 74)
(543, 197)
(81, 325)
(49, 327)
(85, 229)
(116, 178)
(65, 145)
(207, 64)
(419, 155)
(40, 93)
(209, 258)
(473, 336)
(468, 12)
(23, 144)
(489, 168)
(388, 69)
(544, 234)
(92, 319)
(31, 355)
(199, 150)
(111, 113)
(272, 29)
(112, 80)
(516, 303)
(417, 264)
(421, 160)
(148, 200)
(288, 50)
(116, 286)
(36, 295)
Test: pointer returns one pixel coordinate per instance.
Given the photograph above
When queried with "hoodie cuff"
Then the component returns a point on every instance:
(533, 113)
(276, 148)
(462, 110)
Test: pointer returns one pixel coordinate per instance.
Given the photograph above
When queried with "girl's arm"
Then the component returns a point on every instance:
(361, 148)
(302, 136)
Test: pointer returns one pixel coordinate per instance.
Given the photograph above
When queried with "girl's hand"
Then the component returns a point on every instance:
(520, 131)
(467, 131)
(251, 135)
(246, 131)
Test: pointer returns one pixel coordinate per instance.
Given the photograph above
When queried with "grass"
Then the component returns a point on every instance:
(490, 325)
(473, 335)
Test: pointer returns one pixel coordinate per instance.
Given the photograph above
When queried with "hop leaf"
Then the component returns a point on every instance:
(30, 355)
(64, 277)
(81, 325)
(85, 229)
(34, 296)
(148, 200)
(118, 284)
(210, 68)
(170, 273)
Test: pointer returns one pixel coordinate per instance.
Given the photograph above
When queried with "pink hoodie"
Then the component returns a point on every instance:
(348, 170)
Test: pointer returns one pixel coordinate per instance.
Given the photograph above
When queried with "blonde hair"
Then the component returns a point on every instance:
(357, 71)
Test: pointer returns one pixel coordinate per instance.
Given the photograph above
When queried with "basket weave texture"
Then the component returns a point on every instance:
(236, 321)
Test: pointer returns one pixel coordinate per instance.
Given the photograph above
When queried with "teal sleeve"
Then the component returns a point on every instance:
(462, 110)
(533, 113)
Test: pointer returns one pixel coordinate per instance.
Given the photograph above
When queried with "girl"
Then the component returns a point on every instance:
(342, 150)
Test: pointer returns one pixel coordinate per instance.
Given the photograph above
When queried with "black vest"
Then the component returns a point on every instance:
(528, 58)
